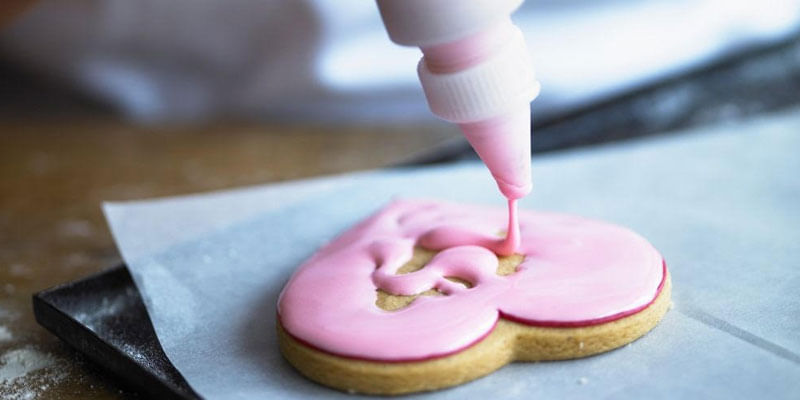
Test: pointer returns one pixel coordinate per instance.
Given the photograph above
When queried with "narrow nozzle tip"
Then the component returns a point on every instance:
(504, 145)
(513, 191)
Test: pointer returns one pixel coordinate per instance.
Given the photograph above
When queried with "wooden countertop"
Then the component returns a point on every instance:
(53, 176)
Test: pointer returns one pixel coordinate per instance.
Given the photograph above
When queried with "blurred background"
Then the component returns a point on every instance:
(119, 99)
(609, 68)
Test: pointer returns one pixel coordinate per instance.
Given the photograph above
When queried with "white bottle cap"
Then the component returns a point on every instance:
(501, 82)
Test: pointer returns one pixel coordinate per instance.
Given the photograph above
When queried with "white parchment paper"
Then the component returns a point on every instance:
(722, 205)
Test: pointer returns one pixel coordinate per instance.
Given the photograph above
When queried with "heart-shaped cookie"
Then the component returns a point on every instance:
(414, 298)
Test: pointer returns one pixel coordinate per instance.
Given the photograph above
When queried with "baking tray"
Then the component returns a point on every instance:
(103, 317)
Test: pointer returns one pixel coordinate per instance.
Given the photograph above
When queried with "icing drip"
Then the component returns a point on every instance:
(575, 272)
(512, 242)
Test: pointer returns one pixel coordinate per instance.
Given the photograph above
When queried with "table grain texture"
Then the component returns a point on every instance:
(55, 174)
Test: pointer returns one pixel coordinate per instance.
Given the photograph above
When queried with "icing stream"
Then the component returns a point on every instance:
(512, 242)
(575, 272)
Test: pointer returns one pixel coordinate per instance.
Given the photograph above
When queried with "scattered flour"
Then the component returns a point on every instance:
(5, 335)
(17, 363)
(19, 270)
(109, 307)
(76, 228)
(76, 260)
(25, 373)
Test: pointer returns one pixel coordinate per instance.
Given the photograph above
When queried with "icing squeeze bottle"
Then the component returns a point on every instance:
(475, 72)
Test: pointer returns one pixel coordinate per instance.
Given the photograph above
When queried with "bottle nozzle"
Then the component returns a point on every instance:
(504, 145)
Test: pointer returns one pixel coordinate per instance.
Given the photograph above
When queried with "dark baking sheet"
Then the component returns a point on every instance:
(103, 317)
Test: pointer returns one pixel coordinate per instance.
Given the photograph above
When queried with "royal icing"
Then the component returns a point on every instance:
(575, 272)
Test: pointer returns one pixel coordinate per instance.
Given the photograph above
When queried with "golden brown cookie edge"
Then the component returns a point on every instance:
(509, 341)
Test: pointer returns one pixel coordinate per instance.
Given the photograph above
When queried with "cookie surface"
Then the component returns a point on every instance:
(414, 298)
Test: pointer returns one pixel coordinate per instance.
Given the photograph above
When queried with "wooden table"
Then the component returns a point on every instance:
(53, 176)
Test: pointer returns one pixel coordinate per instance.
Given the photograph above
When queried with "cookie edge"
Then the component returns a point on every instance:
(509, 341)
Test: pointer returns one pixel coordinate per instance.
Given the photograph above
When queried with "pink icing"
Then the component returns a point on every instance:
(468, 51)
(513, 239)
(576, 272)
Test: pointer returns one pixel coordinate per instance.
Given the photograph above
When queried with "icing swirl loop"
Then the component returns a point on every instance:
(575, 272)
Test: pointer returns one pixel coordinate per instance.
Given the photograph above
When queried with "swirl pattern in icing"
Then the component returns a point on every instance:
(575, 272)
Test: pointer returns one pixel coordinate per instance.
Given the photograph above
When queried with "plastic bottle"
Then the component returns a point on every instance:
(476, 72)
